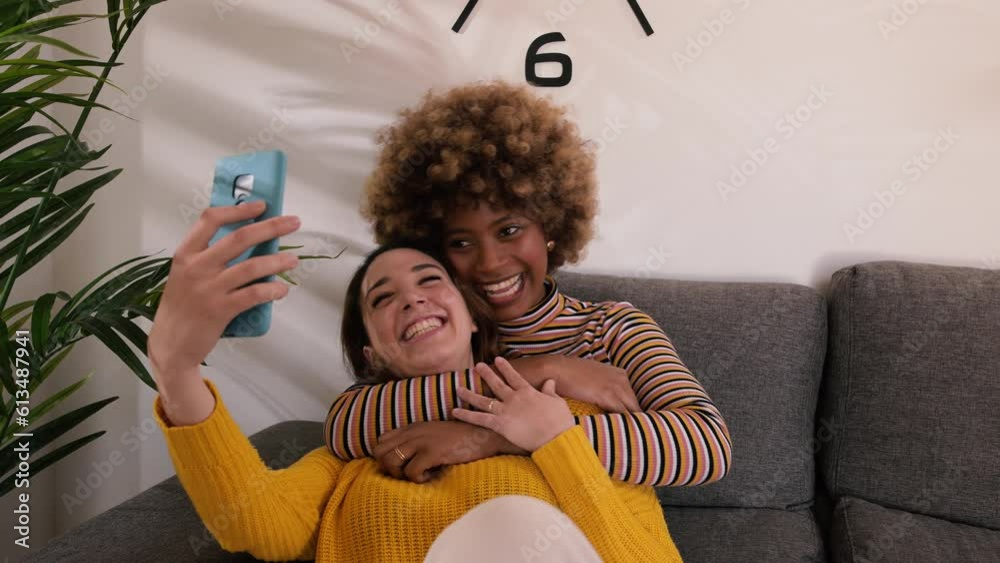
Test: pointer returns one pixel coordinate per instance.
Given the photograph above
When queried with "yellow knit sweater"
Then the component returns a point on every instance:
(329, 510)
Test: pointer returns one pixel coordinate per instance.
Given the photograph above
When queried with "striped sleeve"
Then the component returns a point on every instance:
(680, 437)
(364, 412)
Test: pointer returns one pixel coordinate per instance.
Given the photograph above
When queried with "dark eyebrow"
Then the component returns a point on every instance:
(416, 268)
(503, 219)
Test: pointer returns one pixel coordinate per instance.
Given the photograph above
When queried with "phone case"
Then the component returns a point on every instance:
(245, 178)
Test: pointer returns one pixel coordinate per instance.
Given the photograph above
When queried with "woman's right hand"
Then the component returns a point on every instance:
(526, 417)
(202, 295)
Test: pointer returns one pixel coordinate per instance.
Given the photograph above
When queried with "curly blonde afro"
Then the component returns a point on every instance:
(484, 142)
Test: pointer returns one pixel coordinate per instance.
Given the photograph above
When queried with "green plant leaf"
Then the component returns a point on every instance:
(12, 310)
(32, 54)
(22, 134)
(21, 196)
(7, 485)
(53, 429)
(48, 368)
(41, 25)
(35, 108)
(27, 86)
(40, 251)
(87, 62)
(143, 311)
(147, 4)
(129, 330)
(73, 100)
(11, 120)
(110, 293)
(54, 216)
(32, 38)
(15, 76)
(72, 200)
(42, 66)
(41, 409)
(110, 339)
(6, 357)
(16, 325)
(40, 316)
(67, 167)
(113, 11)
(67, 311)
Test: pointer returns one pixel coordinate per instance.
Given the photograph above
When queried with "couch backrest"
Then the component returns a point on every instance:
(758, 350)
(912, 383)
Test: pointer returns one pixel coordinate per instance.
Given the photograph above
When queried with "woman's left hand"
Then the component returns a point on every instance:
(525, 416)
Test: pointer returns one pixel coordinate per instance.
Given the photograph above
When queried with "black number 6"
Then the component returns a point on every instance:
(534, 57)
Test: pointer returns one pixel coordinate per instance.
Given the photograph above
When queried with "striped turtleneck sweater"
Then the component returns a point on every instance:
(678, 439)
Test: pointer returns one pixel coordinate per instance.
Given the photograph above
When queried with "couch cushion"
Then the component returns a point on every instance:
(864, 531)
(913, 380)
(734, 535)
(758, 350)
(160, 524)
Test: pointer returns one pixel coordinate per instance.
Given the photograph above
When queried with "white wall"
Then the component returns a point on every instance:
(218, 74)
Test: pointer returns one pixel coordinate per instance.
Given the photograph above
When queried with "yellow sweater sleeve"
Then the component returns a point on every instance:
(272, 514)
(586, 494)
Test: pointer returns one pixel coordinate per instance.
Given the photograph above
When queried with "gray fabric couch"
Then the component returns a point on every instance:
(864, 424)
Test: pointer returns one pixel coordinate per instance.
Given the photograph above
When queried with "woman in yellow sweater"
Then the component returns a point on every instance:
(324, 508)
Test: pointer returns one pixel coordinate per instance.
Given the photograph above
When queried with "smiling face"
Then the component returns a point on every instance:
(501, 253)
(415, 317)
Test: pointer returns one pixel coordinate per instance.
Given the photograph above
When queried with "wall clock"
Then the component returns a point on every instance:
(533, 57)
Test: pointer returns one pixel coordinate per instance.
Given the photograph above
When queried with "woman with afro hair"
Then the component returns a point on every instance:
(500, 180)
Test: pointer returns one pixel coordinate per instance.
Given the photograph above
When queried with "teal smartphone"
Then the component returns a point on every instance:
(244, 178)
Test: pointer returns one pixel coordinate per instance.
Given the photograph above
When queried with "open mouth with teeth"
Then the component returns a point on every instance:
(504, 290)
(422, 328)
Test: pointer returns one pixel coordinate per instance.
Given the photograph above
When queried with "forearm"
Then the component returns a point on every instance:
(569, 372)
(619, 530)
(682, 434)
(272, 514)
(678, 439)
(679, 447)
(185, 397)
(361, 414)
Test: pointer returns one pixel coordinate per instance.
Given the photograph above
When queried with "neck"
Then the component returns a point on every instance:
(463, 362)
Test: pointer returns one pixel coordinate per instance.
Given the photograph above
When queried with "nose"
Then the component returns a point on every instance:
(490, 258)
(411, 298)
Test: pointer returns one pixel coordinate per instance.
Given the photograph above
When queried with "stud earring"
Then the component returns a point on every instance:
(550, 245)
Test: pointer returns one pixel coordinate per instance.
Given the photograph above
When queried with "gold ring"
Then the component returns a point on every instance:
(489, 407)
(399, 453)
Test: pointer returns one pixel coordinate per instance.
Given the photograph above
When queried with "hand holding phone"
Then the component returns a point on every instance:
(241, 179)
(202, 295)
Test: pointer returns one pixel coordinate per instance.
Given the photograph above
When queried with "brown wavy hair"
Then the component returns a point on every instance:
(489, 142)
(354, 337)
